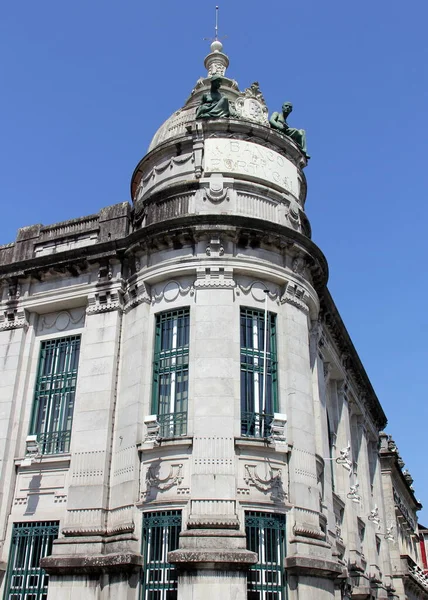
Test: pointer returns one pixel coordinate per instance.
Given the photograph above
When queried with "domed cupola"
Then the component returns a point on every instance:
(221, 154)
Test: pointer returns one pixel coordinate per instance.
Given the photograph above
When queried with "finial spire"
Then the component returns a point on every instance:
(216, 62)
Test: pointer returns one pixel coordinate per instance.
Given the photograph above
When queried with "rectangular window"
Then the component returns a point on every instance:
(25, 580)
(171, 372)
(258, 372)
(54, 395)
(160, 536)
(266, 536)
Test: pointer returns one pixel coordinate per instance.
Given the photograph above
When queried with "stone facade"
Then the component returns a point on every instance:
(147, 463)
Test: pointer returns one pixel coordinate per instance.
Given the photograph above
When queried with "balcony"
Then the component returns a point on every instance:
(54, 442)
(256, 425)
(172, 424)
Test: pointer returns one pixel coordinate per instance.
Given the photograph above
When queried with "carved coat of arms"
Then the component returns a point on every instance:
(250, 105)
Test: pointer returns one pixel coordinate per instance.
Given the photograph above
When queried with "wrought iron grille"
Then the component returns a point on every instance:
(160, 536)
(258, 389)
(54, 394)
(25, 580)
(171, 371)
(172, 424)
(266, 536)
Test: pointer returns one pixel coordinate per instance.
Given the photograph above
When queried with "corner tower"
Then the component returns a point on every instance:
(220, 196)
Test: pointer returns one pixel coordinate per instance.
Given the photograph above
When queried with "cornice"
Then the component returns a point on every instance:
(332, 320)
(176, 230)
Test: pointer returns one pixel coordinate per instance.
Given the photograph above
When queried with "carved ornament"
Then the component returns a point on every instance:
(272, 484)
(104, 301)
(137, 294)
(296, 295)
(214, 277)
(171, 291)
(251, 106)
(162, 484)
(62, 320)
(216, 192)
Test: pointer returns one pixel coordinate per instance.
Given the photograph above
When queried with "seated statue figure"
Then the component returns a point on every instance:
(279, 121)
(213, 105)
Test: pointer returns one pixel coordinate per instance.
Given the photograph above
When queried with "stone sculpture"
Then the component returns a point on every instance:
(213, 104)
(279, 121)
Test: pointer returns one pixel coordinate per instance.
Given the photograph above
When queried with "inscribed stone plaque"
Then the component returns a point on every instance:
(246, 158)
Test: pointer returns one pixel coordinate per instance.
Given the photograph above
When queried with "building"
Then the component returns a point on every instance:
(182, 411)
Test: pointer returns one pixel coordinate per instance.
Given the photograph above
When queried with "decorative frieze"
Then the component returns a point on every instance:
(61, 321)
(258, 290)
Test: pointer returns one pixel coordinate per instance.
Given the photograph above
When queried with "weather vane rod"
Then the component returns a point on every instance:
(216, 23)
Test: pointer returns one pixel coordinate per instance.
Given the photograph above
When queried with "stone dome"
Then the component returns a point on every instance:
(175, 125)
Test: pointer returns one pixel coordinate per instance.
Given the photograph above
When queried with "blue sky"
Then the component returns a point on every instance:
(85, 85)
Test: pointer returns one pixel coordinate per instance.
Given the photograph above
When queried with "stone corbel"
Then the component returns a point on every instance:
(296, 295)
(214, 277)
(12, 315)
(216, 192)
(104, 301)
(327, 369)
(342, 389)
(215, 248)
(13, 318)
(137, 294)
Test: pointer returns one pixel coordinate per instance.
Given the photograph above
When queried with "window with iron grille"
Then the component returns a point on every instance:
(25, 580)
(258, 372)
(160, 536)
(54, 394)
(266, 536)
(171, 372)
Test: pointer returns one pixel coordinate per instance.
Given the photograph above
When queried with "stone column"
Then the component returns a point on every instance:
(212, 558)
(304, 529)
(82, 551)
(16, 345)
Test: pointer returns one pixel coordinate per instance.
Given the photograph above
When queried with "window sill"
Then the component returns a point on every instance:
(46, 460)
(184, 441)
(254, 442)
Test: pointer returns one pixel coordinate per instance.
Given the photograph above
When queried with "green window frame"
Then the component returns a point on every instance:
(54, 394)
(161, 532)
(171, 372)
(265, 533)
(25, 579)
(258, 398)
